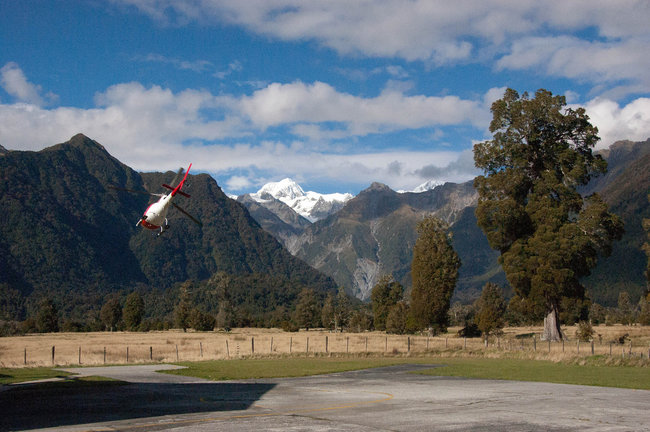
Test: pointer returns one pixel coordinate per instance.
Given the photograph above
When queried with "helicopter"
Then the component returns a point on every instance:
(155, 216)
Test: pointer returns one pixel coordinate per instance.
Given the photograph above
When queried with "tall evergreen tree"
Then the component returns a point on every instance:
(385, 294)
(491, 308)
(434, 271)
(183, 309)
(133, 311)
(111, 313)
(306, 314)
(529, 208)
(47, 317)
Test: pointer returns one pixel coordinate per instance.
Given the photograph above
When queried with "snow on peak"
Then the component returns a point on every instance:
(427, 186)
(311, 205)
(284, 189)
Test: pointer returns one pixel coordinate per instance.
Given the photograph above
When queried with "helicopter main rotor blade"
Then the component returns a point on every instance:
(178, 175)
(179, 208)
(134, 191)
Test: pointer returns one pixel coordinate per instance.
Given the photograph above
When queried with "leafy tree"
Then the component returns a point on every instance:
(327, 313)
(434, 271)
(491, 308)
(360, 320)
(183, 309)
(201, 321)
(342, 310)
(396, 321)
(385, 294)
(306, 314)
(529, 208)
(625, 309)
(111, 313)
(47, 317)
(646, 248)
(133, 311)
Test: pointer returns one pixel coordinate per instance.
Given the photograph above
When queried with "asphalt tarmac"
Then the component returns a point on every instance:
(384, 399)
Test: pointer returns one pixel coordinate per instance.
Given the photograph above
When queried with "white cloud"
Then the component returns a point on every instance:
(629, 122)
(319, 102)
(430, 30)
(575, 58)
(14, 82)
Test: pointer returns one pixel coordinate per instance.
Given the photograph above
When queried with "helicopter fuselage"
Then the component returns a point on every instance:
(155, 216)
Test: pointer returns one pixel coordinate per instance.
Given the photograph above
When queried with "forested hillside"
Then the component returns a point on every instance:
(65, 235)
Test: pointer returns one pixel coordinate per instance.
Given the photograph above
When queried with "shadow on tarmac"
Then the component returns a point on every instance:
(70, 403)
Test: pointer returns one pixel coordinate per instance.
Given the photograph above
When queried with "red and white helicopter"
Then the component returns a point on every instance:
(155, 216)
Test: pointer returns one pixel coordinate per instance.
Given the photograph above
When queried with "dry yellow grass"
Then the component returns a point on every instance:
(169, 346)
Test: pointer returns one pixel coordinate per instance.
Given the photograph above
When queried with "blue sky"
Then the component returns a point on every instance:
(334, 94)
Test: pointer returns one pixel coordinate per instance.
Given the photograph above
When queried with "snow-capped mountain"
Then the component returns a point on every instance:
(312, 206)
(427, 186)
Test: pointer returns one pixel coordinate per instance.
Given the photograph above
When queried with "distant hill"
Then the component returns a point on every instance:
(625, 188)
(64, 234)
(373, 234)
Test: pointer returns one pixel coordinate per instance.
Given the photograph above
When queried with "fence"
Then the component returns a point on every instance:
(123, 348)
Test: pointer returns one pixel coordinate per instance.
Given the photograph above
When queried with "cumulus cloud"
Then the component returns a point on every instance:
(15, 83)
(615, 122)
(436, 31)
(319, 102)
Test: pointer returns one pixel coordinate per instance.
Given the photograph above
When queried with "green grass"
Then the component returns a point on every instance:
(11, 376)
(285, 367)
(544, 371)
(486, 368)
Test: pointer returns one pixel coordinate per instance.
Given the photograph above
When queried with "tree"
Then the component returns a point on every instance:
(385, 294)
(396, 321)
(306, 313)
(529, 208)
(133, 311)
(491, 308)
(434, 271)
(342, 309)
(183, 309)
(201, 321)
(111, 313)
(327, 313)
(47, 317)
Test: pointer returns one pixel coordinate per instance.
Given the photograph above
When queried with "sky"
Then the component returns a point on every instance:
(334, 94)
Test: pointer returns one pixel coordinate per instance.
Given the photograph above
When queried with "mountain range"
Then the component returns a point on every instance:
(66, 235)
(374, 232)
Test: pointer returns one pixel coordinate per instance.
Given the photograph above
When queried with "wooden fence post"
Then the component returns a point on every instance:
(53, 349)
(271, 348)
(227, 349)
(104, 355)
(326, 345)
(307, 349)
(464, 342)
(25, 355)
(290, 343)
(127, 354)
(176, 352)
(347, 344)
(578, 345)
(366, 343)
(201, 349)
(534, 343)
(408, 344)
(79, 355)
(386, 344)
(252, 345)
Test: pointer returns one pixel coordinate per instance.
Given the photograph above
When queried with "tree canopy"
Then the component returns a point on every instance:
(435, 272)
(529, 207)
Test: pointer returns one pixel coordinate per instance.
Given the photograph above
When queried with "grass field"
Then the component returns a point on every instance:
(85, 349)
(268, 353)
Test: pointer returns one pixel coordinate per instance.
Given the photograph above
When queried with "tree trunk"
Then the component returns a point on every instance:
(552, 331)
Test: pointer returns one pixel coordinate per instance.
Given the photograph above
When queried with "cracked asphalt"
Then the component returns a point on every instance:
(383, 399)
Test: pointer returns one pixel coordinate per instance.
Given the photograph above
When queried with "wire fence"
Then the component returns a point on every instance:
(128, 348)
